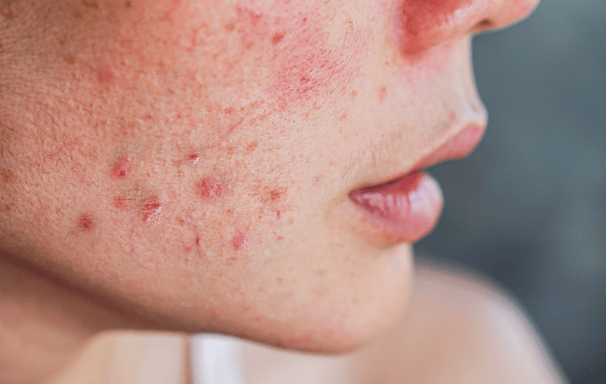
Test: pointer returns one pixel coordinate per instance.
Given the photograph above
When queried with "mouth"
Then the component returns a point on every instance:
(408, 207)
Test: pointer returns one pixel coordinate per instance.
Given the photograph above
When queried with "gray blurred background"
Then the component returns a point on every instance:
(529, 207)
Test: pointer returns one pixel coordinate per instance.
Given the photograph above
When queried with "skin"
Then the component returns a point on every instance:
(185, 165)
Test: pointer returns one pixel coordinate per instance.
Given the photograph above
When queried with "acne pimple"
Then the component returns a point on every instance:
(122, 167)
(210, 188)
(193, 158)
(85, 223)
(240, 242)
(151, 209)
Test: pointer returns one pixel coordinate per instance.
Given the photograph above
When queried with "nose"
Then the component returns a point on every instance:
(423, 24)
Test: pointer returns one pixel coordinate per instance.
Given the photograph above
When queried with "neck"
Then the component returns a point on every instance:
(44, 323)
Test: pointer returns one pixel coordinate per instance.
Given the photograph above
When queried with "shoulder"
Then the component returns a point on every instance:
(462, 327)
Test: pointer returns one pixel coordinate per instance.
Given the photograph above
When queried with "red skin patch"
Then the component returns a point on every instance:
(240, 242)
(85, 223)
(151, 209)
(210, 188)
(122, 167)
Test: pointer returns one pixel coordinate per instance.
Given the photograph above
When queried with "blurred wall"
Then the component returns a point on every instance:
(529, 207)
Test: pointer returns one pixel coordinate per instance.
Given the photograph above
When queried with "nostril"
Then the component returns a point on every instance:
(485, 24)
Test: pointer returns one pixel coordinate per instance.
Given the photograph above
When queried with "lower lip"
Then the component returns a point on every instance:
(404, 210)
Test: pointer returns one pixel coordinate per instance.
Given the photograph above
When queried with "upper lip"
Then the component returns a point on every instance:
(459, 146)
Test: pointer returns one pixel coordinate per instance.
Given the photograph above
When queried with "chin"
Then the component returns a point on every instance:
(334, 324)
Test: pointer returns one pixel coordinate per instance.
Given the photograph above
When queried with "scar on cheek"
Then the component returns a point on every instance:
(210, 188)
(122, 167)
(240, 242)
(85, 223)
(151, 209)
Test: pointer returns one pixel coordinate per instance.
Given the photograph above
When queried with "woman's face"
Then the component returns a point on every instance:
(194, 160)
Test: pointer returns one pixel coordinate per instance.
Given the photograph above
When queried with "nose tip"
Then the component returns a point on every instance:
(423, 24)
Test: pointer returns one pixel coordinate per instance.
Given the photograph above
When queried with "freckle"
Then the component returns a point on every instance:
(128, 4)
(7, 175)
(69, 59)
(382, 94)
(240, 242)
(252, 146)
(85, 223)
(122, 167)
(210, 188)
(230, 27)
(90, 4)
(193, 158)
(275, 39)
(121, 202)
(230, 261)
(151, 209)
(77, 14)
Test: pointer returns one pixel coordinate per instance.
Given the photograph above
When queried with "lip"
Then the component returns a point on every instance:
(408, 207)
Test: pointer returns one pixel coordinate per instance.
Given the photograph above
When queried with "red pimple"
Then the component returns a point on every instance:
(122, 167)
(210, 188)
(193, 158)
(85, 223)
(240, 242)
(151, 209)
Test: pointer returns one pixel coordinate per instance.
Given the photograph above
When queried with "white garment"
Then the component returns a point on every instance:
(215, 359)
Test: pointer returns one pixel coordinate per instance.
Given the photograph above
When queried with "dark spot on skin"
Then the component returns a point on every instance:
(275, 195)
(128, 4)
(6, 175)
(230, 27)
(77, 14)
(382, 94)
(69, 59)
(210, 188)
(275, 39)
(104, 74)
(8, 207)
(6, 11)
(193, 158)
(122, 167)
(121, 202)
(278, 213)
(90, 4)
(240, 242)
(197, 240)
(85, 223)
(151, 209)
(252, 146)
(230, 261)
